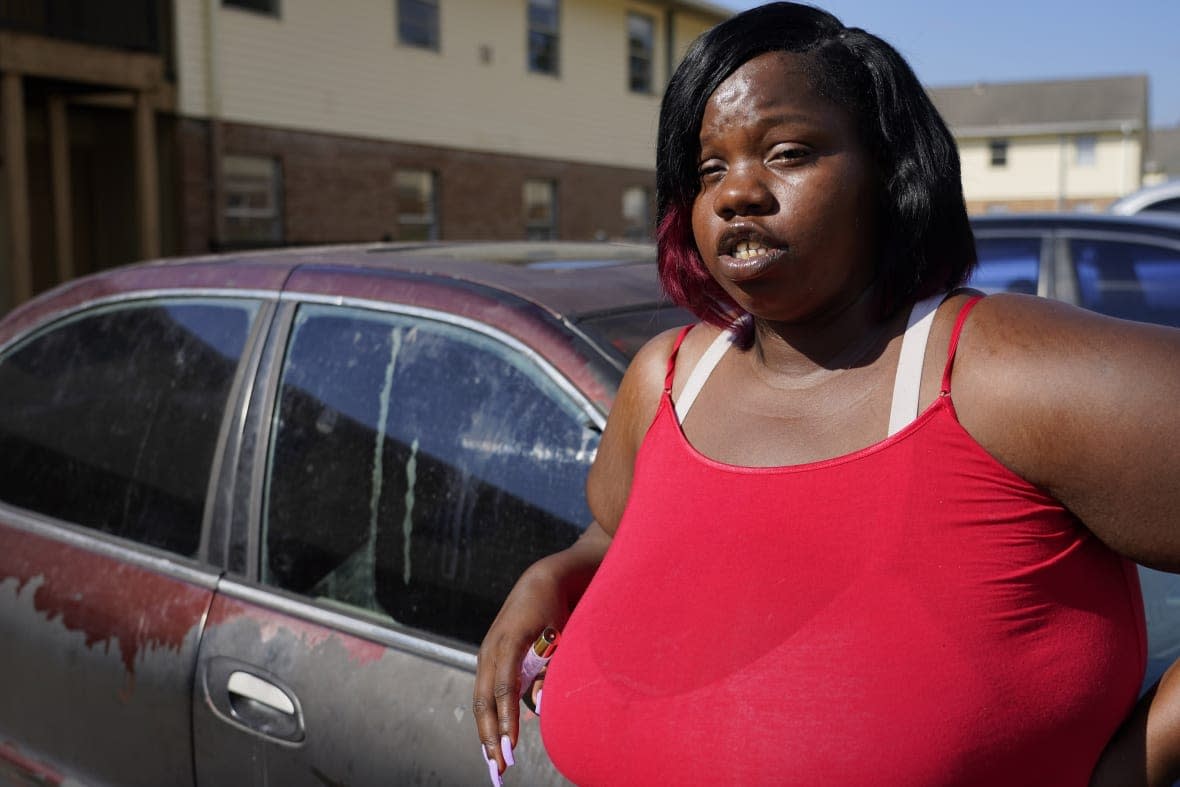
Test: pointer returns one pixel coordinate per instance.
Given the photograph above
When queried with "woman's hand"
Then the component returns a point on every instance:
(543, 596)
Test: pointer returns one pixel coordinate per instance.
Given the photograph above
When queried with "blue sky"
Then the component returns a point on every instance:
(957, 43)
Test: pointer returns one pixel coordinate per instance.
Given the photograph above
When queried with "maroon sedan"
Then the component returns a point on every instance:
(256, 511)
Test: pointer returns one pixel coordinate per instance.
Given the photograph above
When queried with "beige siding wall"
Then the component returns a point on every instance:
(338, 68)
(1046, 168)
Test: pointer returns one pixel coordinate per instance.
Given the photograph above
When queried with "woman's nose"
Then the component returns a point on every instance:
(743, 193)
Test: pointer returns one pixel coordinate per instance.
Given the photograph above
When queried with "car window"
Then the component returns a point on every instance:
(1007, 265)
(1171, 205)
(417, 468)
(627, 331)
(1133, 281)
(110, 420)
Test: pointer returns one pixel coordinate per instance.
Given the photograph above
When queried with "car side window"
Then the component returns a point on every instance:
(1133, 281)
(110, 420)
(416, 468)
(1007, 265)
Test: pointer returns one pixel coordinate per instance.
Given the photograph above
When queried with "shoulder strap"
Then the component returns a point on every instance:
(954, 345)
(700, 373)
(909, 366)
(672, 358)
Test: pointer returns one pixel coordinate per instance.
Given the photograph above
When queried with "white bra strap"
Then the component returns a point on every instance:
(696, 378)
(909, 365)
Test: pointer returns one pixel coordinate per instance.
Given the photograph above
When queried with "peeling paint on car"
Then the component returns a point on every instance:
(80, 588)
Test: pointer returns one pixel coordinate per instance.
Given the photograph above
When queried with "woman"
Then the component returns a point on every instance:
(862, 527)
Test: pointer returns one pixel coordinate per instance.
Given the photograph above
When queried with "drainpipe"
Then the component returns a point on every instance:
(1062, 155)
(213, 108)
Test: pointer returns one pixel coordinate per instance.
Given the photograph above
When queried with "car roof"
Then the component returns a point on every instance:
(1146, 197)
(571, 280)
(1159, 223)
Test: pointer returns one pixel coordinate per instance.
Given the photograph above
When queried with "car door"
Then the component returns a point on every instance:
(408, 466)
(111, 427)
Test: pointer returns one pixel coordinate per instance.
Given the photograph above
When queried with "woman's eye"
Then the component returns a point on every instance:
(792, 153)
(710, 171)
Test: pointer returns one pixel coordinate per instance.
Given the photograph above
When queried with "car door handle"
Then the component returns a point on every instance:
(247, 696)
(252, 687)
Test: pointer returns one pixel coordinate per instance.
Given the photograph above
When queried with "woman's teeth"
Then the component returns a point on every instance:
(746, 250)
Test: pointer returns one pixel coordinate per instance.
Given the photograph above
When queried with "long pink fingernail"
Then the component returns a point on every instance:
(493, 769)
(506, 748)
(537, 701)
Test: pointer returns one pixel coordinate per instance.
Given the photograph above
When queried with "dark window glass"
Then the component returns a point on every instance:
(261, 6)
(543, 39)
(629, 330)
(111, 420)
(641, 38)
(417, 23)
(417, 468)
(1007, 265)
(1164, 206)
(998, 152)
(1134, 281)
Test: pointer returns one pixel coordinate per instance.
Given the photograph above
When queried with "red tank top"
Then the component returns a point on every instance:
(912, 613)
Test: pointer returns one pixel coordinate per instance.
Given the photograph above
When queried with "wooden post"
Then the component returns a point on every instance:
(59, 167)
(16, 169)
(147, 190)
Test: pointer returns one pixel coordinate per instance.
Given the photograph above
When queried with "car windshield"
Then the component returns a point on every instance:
(628, 330)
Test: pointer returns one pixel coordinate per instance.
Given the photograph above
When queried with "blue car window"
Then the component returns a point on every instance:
(110, 420)
(416, 468)
(1007, 265)
(1133, 281)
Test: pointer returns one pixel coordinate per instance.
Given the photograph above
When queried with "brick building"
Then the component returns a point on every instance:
(135, 128)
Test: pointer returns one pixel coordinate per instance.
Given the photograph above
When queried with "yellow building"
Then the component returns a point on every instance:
(1057, 145)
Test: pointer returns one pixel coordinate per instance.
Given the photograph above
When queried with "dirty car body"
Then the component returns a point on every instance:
(256, 510)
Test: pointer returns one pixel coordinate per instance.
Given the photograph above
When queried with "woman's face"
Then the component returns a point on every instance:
(784, 217)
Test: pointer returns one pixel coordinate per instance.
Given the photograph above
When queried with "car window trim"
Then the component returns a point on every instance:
(264, 300)
(390, 635)
(73, 310)
(155, 559)
(216, 524)
(247, 520)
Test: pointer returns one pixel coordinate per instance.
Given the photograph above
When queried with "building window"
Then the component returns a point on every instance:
(636, 213)
(641, 37)
(544, 40)
(252, 188)
(270, 7)
(417, 23)
(417, 215)
(1086, 147)
(998, 149)
(540, 209)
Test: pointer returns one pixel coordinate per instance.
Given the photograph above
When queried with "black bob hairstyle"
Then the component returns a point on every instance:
(926, 245)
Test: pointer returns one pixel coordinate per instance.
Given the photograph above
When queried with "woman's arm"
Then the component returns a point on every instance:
(1088, 408)
(1084, 406)
(546, 593)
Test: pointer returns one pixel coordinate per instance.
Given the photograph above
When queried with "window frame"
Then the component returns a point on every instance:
(530, 227)
(429, 220)
(998, 153)
(551, 34)
(224, 467)
(275, 213)
(434, 27)
(1085, 148)
(646, 56)
(253, 474)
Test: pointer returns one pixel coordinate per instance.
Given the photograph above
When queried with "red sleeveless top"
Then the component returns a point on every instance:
(912, 613)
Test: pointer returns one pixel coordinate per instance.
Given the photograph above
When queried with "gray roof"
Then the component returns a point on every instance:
(1163, 151)
(1059, 106)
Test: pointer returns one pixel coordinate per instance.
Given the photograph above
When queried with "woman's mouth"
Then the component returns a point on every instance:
(748, 260)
